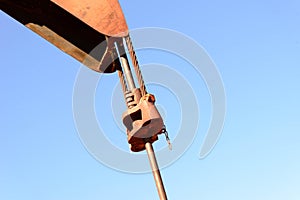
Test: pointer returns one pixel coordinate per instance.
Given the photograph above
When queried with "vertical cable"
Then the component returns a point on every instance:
(122, 81)
(136, 66)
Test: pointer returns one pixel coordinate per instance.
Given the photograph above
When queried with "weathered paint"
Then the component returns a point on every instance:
(105, 16)
(74, 26)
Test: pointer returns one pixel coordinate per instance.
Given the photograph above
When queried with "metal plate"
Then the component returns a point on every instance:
(74, 26)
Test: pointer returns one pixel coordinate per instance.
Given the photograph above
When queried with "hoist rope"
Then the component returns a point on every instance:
(136, 66)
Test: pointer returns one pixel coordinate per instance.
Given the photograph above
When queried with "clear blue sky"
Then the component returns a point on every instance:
(256, 47)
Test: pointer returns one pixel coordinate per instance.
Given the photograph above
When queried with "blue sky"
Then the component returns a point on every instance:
(256, 47)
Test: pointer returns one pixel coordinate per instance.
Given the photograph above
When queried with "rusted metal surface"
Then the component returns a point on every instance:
(105, 16)
(143, 123)
(142, 119)
(64, 45)
(76, 28)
